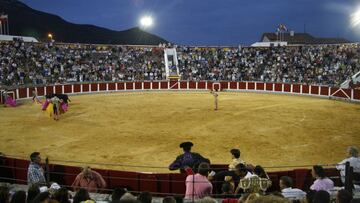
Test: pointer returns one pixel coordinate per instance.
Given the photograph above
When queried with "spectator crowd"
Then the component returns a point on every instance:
(241, 182)
(48, 63)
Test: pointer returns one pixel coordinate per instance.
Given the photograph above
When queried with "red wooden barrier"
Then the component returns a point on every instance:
(192, 85)
(112, 86)
(201, 85)
(49, 89)
(67, 89)
(85, 88)
(278, 87)
(314, 89)
(209, 85)
(146, 85)
(129, 180)
(242, 85)
(260, 86)
(357, 94)
(102, 87)
(155, 85)
(129, 86)
(121, 86)
(287, 88)
(138, 85)
(224, 85)
(324, 91)
(183, 85)
(164, 85)
(23, 93)
(233, 85)
(305, 89)
(148, 182)
(40, 91)
(58, 89)
(94, 87)
(251, 86)
(77, 88)
(296, 88)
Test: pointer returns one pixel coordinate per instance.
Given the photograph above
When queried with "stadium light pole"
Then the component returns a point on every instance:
(50, 36)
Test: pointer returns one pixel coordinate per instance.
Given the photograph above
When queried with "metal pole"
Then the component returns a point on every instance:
(348, 177)
(193, 194)
(7, 23)
(1, 28)
(47, 171)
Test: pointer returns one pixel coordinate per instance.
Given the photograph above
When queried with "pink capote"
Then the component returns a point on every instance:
(45, 105)
(10, 101)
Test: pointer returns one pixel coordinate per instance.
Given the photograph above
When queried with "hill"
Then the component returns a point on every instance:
(26, 21)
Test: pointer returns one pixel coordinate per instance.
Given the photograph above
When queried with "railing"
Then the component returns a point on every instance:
(14, 170)
(285, 88)
(354, 79)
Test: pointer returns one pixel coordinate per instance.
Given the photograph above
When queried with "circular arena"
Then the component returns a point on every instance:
(96, 106)
(144, 128)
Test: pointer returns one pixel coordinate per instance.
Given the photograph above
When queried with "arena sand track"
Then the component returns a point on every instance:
(146, 128)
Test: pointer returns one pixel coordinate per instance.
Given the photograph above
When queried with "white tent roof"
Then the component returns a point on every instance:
(11, 38)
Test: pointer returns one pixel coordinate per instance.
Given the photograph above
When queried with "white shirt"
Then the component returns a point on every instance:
(293, 193)
(354, 162)
(248, 175)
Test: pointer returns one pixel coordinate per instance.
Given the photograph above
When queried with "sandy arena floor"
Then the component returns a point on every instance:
(146, 129)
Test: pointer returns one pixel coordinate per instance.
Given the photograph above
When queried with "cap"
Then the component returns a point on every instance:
(186, 145)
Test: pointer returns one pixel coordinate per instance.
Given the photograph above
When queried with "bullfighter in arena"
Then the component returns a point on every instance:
(7, 99)
(56, 104)
(188, 159)
(215, 98)
(35, 97)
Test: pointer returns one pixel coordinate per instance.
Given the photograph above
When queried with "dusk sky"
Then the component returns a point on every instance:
(212, 22)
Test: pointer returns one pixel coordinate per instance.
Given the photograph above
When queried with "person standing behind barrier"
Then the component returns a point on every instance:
(235, 156)
(353, 159)
(35, 173)
(229, 175)
(322, 182)
(89, 179)
(188, 159)
(198, 185)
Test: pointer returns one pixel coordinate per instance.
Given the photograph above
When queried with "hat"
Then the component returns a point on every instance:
(186, 145)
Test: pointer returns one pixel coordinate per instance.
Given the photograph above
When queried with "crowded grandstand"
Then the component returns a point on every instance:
(47, 63)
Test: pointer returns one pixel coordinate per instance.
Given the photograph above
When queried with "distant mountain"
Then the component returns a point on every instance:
(29, 22)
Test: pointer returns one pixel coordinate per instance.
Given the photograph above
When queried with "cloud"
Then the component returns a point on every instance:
(138, 3)
(343, 8)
